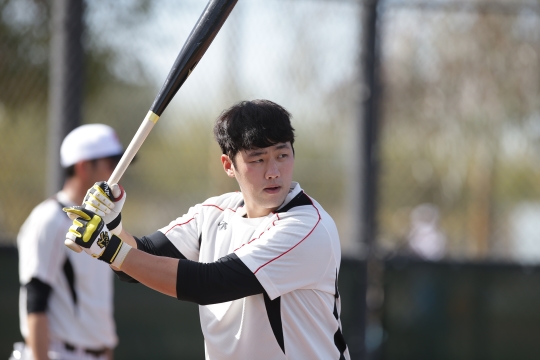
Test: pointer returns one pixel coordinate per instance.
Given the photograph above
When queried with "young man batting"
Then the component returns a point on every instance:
(262, 263)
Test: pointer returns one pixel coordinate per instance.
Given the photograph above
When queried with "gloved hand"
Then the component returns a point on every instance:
(90, 232)
(107, 202)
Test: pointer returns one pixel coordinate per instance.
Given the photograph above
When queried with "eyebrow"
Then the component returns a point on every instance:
(258, 152)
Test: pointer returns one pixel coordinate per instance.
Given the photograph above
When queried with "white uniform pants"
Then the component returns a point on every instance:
(57, 351)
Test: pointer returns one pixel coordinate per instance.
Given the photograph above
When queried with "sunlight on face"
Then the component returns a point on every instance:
(264, 176)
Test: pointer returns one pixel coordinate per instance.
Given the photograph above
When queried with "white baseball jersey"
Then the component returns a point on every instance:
(295, 255)
(80, 305)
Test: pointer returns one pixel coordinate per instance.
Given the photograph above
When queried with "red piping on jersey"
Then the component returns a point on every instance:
(250, 241)
(298, 243)
(175, 225)
(261, 234)
(219, 207)
(184, 223)
(277, 215)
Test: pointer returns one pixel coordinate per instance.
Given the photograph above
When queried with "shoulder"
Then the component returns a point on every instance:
(46, 216)
(326, 220)
(47, 212)
(208, 211)
(300, 205)
(227, 202)
(303, 211)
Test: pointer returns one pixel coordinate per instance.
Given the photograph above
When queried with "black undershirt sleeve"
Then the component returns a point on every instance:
(158, 244)
(37, 296)
(224, 280)
(125, 277)
(154, 244)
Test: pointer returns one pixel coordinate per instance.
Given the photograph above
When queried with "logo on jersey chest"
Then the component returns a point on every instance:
(222, 225)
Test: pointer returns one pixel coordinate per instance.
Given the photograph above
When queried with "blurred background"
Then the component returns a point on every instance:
(418, 130)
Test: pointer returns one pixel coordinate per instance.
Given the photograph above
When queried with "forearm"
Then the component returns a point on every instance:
(128, 238)
(38, 335)
(154, 244)
(224, 280)
(156, 272)
(161, 266)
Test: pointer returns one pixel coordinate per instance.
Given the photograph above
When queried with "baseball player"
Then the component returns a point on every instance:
(262, 263)
(66, 299)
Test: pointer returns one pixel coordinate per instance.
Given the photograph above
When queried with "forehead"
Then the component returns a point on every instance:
(257, 151)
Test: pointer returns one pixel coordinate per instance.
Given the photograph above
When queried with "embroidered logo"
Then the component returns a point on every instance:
(103, 240)
(222, 225)
(107, 190)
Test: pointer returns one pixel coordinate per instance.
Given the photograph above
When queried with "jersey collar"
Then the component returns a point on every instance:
(294, 190)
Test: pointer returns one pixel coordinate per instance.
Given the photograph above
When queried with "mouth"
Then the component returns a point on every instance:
(274, 189)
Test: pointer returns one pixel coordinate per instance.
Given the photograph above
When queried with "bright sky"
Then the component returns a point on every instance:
(283, 50)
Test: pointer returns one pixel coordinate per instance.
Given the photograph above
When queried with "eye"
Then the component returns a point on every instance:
(281, 156)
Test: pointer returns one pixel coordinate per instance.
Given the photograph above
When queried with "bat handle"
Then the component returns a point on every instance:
(132, 149)
(70, 244)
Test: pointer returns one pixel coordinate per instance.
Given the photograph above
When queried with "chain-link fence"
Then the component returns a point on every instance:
(302, 55)
(458, 115)
(459, 112)
(461, 128)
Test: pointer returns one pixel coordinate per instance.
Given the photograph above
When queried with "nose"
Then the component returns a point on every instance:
(272, 170)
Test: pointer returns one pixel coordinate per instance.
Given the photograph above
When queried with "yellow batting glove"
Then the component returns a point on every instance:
(89, 232)
(107, 202)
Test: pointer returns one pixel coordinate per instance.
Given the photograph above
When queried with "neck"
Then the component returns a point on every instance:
(75, 189)
(257, 213)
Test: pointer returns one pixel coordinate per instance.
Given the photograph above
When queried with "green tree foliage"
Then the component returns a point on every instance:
(460, 112)
(23, 51)
(24, 67)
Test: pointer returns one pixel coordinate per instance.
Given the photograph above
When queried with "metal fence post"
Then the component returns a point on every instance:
(65, 82)
(369, 169)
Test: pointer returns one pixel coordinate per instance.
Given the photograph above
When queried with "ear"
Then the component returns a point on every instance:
(83, 170)
(227, 165)
(80, 168)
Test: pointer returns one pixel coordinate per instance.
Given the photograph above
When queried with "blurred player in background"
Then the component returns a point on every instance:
(263, 263)
(66, 299)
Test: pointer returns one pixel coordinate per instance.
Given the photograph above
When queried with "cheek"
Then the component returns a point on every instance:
(107, 168)
(111, 165)
(251, 171)
(288, 168)
(249, 177)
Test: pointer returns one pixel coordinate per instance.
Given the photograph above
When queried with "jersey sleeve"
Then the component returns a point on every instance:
(184, 233)
(294, 252)
(41, 244)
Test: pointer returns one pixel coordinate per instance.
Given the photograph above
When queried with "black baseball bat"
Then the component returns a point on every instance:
(198, 41)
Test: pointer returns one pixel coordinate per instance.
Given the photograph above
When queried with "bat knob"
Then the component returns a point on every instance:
(70, 244)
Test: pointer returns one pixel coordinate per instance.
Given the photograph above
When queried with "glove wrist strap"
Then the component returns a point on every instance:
(115, 226)
(121, 256)
(111, 251)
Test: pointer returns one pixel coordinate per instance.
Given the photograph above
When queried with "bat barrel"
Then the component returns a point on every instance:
(200, 38)
(198, 41)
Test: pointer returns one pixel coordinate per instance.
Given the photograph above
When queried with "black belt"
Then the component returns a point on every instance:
(93, 352)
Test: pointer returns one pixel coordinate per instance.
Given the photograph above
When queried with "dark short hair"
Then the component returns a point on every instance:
(70, 170)
(253, 124)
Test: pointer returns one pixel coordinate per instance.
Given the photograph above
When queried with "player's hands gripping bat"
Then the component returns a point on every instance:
(107, 202)
(198, 41)
(91, 234)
